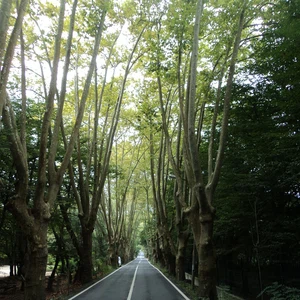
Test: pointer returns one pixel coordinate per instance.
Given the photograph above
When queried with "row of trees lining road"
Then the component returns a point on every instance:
(169, 124)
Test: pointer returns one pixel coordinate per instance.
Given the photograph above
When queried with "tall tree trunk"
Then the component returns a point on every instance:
(207, 270)
(171, 264)
(8, 53)
(112, 255)
(86, 259)
(36, 263)
(158, 252)
(52, 276)
(90, 205)
(4, 23)
(201, 214)
(180, 256)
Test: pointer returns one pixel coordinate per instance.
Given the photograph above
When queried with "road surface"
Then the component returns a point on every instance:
(138, 280)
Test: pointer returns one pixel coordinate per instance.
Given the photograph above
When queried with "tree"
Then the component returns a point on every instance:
(33, 216)
(259, 188)
(201, 213)
(93, 165)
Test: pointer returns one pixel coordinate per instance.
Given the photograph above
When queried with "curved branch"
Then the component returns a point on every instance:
(211, 186)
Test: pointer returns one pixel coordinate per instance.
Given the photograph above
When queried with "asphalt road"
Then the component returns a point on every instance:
(138, 280)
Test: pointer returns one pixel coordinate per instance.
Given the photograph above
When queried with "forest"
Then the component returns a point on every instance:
(167, 126)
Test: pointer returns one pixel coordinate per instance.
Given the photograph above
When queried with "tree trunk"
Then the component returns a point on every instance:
(180, 272)
(6, 55)
(4, 23)
(158, 253)
(36, 263)
(171, 263)
(201, 214)
(202, 228)
(86, 260)
(11, 268)
(52, 276)
(182, 243)
(207, 270)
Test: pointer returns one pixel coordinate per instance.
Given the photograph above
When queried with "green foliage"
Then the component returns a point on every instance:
(100, 265)
(258, 195)
(278, 291)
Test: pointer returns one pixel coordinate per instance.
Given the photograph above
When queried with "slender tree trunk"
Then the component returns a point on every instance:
(4, 23)
(11, 267)
(8, 53)
(52, 276)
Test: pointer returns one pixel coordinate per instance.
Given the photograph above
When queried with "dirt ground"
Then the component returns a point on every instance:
(10, 288)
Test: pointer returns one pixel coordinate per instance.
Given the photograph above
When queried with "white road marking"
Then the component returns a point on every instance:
(98, 281)
(132, 284)
(175, 287)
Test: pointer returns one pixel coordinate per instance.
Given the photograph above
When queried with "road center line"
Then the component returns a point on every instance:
(132, 284)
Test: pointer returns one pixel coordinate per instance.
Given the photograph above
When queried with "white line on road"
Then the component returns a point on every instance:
(132, 284)
(175, 287)
(98, 281)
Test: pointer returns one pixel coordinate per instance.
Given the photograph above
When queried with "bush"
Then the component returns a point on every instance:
(281, 292)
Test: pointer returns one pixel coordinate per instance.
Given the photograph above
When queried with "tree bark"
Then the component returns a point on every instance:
(52, 276)
(182, 241)
(9, 51)
(201, 213)
(90, 204)
(36, 263)
(207, 270)
(86, 259)
(4, 22)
